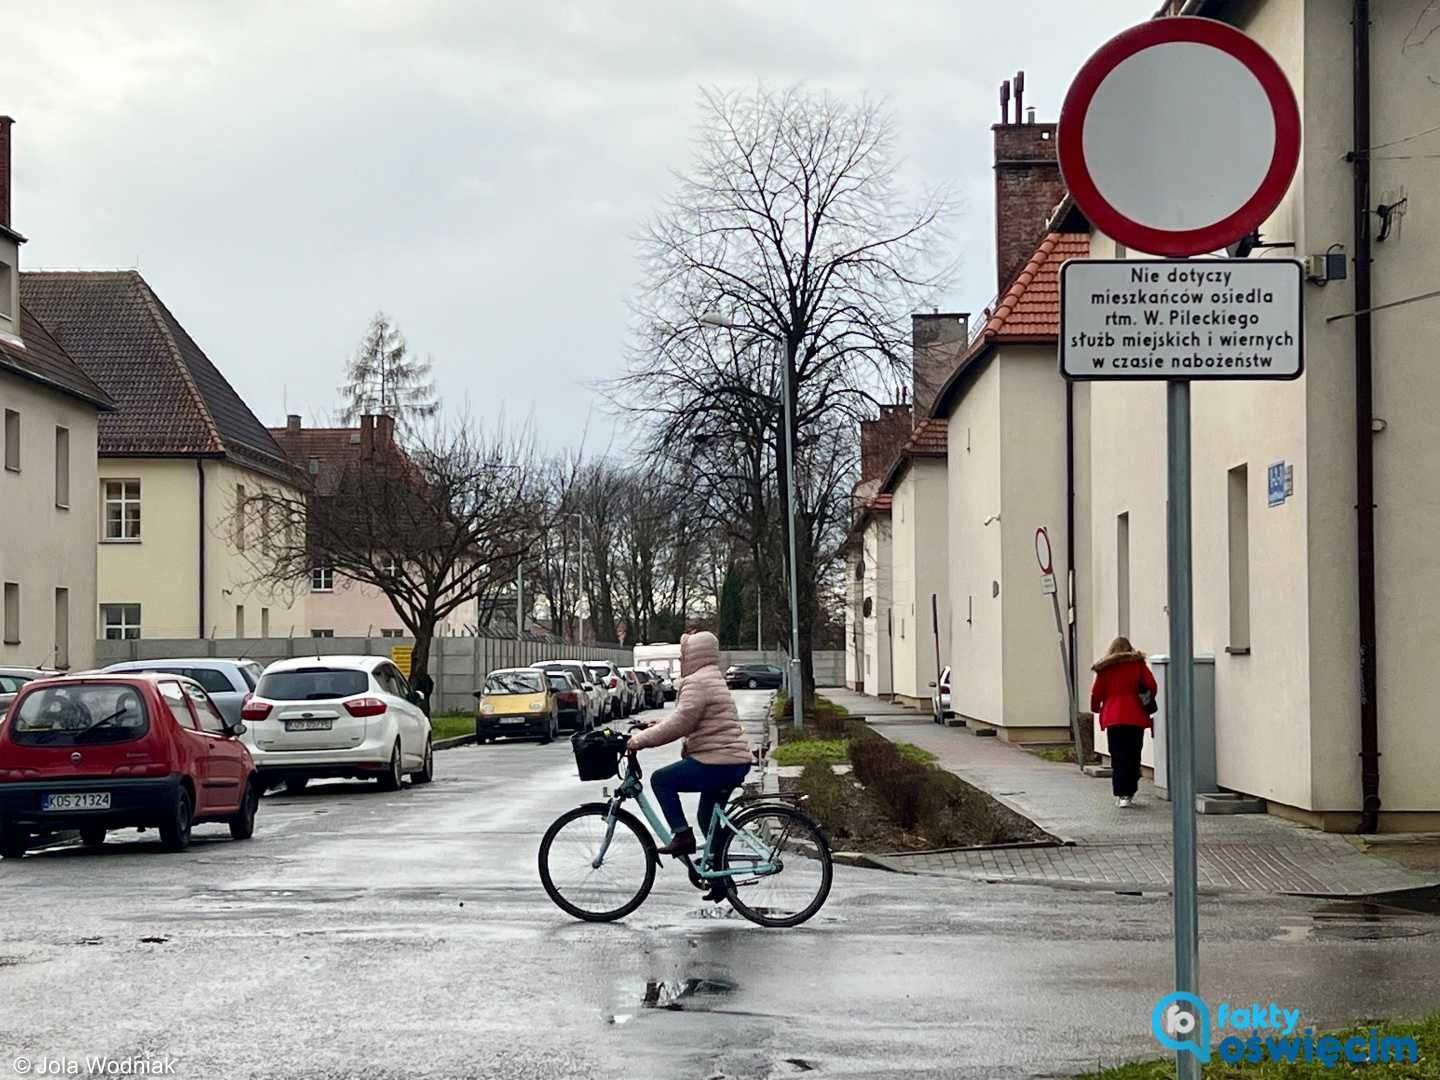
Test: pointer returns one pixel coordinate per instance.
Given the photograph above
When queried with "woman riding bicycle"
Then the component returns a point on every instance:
(716, 755)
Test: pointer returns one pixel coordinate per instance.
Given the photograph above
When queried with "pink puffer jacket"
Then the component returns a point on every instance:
(704, 713)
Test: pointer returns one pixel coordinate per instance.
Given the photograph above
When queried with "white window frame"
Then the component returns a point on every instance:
(390, 632)
(320, 574)
(62, 467)
(124, 501)
(11, 613)
(124, 626)
(322, 632)
(12, 440)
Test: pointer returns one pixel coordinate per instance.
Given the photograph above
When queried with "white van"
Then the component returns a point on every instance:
(664, 659)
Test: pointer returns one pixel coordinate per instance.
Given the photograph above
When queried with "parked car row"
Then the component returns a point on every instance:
(169, 744)
(544, 699)
(755, 677)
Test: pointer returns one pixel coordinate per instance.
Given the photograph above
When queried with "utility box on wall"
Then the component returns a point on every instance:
(1205, 780)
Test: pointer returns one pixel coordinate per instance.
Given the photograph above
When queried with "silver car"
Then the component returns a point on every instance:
(12, 678)
(226, 681)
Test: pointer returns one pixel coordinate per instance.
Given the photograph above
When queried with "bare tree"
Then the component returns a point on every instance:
(790, 225)
(382, 378)
(435, 525)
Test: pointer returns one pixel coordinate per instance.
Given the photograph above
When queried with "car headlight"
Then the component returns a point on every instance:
(487, 708)
(536, 706)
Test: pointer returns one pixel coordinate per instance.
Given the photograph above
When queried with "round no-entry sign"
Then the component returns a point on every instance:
(1179, 136)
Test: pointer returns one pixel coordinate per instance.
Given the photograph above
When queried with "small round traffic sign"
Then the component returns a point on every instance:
(1179, 136)
(1042, 551)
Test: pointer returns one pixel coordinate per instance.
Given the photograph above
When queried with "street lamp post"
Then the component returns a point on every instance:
(797, 682)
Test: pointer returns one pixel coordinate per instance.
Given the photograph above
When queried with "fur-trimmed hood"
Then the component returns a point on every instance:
(1114, 659)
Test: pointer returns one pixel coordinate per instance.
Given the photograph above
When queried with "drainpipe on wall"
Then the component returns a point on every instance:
(1364, 432)
(200, 477)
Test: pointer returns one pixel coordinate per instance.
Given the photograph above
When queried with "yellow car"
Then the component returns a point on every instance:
(517, 703)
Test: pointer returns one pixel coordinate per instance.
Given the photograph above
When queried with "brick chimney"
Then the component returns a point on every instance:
(384, 432)
(367, 437)
(1027, 184)
(937, 342)
(5, 123)
(292, 422)
(880, 441)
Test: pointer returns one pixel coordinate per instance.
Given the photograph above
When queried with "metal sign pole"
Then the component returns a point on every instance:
(1180, 709)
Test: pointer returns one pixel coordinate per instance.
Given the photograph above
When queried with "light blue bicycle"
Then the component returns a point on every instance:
(598, 862)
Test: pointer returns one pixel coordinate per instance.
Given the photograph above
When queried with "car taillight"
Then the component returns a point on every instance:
(365, 706)
(254, 710)
(614, 682)
(567, 698)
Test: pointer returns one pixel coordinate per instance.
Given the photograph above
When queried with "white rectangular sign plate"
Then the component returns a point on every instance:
(1181, 319)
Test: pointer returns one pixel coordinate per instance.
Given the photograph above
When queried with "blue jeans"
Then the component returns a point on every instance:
(714, 782)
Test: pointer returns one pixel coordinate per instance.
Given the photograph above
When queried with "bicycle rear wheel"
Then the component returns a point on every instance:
(783, 863)
(601, 893)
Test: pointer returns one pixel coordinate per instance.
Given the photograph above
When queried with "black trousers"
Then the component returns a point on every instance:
(1125, 743)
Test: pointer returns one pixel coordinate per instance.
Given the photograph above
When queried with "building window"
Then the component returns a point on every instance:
(7, 291)
(12, 440)
(12, 613)
(240, 517)
(239, 620)
(122, 510)
(322, 579)
(318, 632)
(1239, 496)
(120, 622)
(313, 466)
(1122, 574)
(264, 622)
(62, 467)
(390, 566)
(62, 628)
(392, 632)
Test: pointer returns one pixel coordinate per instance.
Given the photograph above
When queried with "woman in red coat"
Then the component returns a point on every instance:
(1121, 675)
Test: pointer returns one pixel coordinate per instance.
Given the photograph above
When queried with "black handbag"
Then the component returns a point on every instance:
(1147, 698)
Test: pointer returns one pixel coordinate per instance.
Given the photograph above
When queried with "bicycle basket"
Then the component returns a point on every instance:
(598, 753)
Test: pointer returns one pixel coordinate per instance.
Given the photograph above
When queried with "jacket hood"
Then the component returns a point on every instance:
(698, 650)
(1115, 659)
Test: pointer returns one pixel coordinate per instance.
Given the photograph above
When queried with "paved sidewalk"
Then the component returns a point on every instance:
(1105, 846)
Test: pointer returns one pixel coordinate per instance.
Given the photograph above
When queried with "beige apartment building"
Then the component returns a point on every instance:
(1277, 562)
(49, 411)
(177, 460)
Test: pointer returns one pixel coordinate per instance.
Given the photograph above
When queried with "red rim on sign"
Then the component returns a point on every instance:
(1186, 123)
(1042, 551)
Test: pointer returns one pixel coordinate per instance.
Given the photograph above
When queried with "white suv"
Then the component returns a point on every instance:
(337, 716)
(607, 676)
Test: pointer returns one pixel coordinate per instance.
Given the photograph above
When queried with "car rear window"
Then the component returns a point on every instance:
(599, 671)
(82, 714)
(312, 684)
(213, 680)
(559, 682)
(514, 682)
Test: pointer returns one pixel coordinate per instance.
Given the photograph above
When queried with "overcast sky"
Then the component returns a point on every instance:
(280, 171)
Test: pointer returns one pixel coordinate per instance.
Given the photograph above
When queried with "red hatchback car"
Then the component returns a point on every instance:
(120, 751)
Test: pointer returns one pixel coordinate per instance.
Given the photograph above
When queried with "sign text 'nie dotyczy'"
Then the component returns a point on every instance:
(1181, 319)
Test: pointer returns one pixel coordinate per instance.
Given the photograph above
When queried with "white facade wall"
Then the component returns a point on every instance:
(46, 547)
(879, 593)
(920, 569)
(1287, 713)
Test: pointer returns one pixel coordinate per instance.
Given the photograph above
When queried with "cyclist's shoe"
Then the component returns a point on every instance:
(682, 843)
(716, 894)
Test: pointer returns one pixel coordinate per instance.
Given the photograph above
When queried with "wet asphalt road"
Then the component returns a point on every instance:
(406, 935)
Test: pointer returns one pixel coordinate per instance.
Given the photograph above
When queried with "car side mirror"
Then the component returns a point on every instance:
(932, 683)
(236, 729)
(588, 688)
(417, 696)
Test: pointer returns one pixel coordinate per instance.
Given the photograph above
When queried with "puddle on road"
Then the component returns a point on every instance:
(685, 994)
(1350, 920)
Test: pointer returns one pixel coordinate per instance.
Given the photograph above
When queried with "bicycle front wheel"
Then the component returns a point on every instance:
(618, 885)
(781, 860)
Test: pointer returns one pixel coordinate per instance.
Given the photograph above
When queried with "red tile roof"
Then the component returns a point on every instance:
(332, 451)
(1029, 312)
(172, 401)
(930, 439)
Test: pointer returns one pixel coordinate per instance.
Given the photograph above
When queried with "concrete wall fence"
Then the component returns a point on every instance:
(457, 664)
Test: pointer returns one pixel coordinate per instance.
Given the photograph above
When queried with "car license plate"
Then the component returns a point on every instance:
(308, 725)
(512, 719)
(79, 800)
